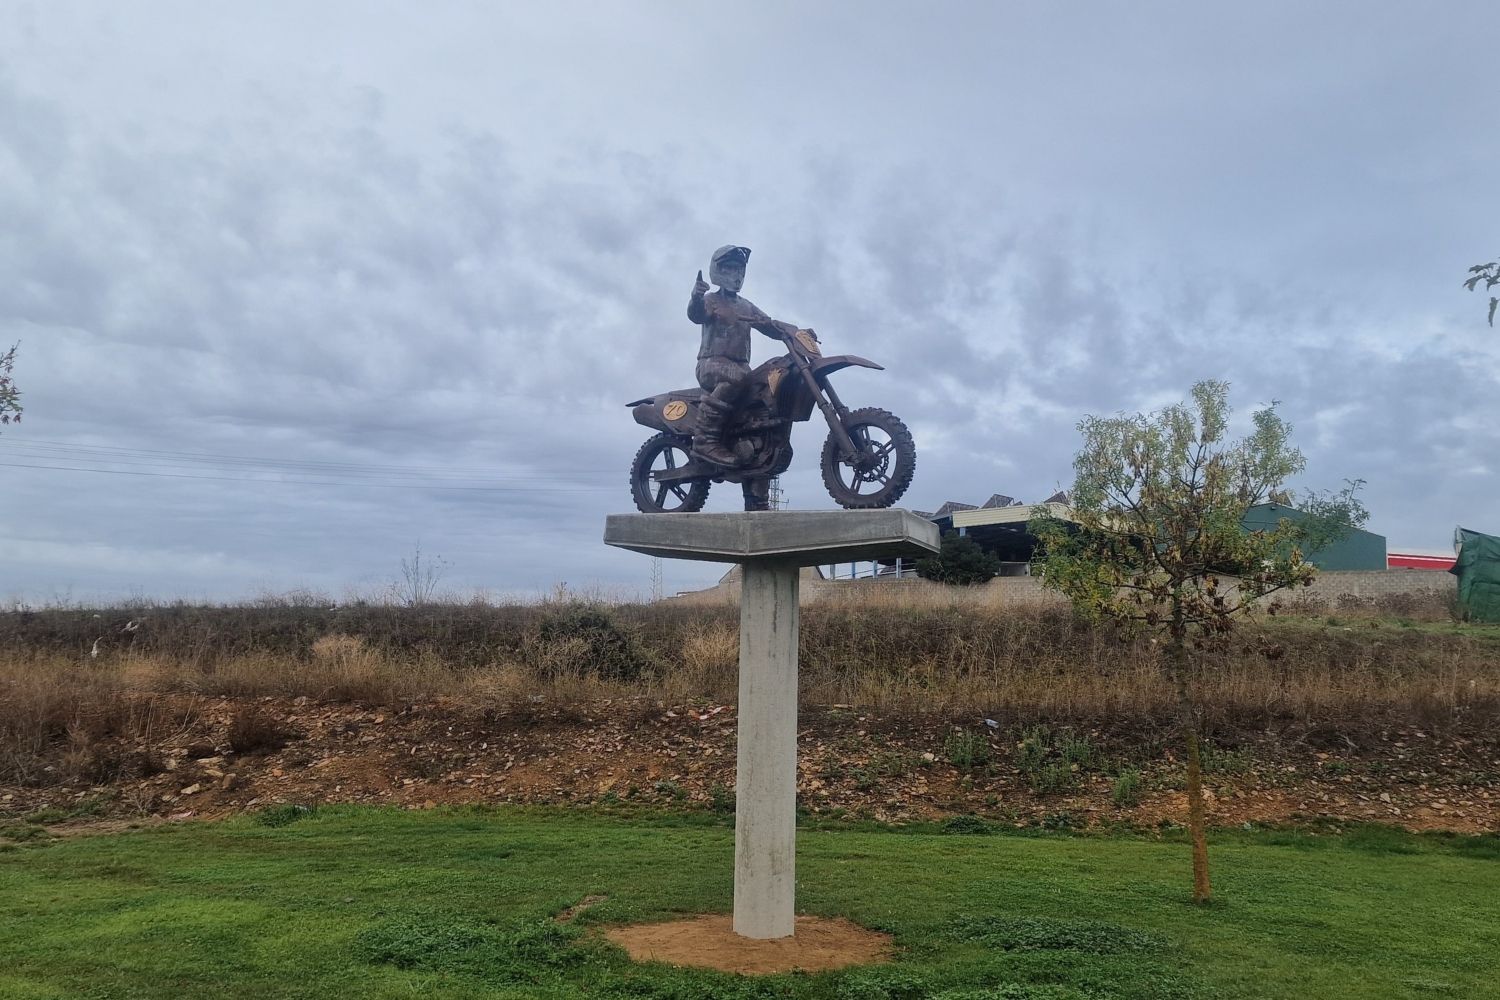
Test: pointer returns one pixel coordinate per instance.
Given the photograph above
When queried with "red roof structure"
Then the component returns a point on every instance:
(1409, 559)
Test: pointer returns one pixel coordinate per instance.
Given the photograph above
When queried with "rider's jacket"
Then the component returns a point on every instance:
(727, 321)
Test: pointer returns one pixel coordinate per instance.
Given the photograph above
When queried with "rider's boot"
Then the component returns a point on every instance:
(708, 442)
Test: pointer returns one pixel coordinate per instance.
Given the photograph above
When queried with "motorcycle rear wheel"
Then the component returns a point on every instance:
(886, 463)
(657, 454)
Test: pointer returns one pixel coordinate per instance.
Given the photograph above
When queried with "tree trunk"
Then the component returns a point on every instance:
(1197, 819)
(1202, 890)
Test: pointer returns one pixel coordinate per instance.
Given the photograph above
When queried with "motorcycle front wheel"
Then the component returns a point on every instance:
(882, 470)
(659, 453)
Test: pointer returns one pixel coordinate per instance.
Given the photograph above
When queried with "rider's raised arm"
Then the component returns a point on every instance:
(697, 310)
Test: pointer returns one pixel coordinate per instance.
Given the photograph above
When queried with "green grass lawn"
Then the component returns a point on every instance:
(352, 902)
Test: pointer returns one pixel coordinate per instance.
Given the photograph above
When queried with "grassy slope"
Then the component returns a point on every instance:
(335, 904)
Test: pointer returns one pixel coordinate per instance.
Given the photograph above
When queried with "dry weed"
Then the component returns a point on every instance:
(901, 649)
(253, 730)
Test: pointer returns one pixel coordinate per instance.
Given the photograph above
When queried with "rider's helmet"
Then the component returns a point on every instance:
(727, 267)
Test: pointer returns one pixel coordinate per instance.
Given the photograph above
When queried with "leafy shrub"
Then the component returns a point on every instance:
(1217, 760)
(1037, 761)
(1126, 790)
(282, 815)
(50, 814)
(959, 561)
(968, 823)
(1052, 779)
(720, 798)
(542, 942)
(1031, 751)
(966, 750)
(1061, 819)
(671, 789)
(1050, 762)
(1076, 749)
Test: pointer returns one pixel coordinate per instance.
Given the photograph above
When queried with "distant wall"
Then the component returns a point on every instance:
(1395, 591)
(1380, 582)
(814, 589)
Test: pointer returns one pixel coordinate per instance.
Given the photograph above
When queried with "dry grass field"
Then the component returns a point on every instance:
(78, 684)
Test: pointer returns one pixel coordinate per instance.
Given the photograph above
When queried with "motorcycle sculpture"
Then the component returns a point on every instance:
(868, 458)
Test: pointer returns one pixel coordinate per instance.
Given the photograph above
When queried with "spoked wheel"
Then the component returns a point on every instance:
(662, 452)
(883, 469)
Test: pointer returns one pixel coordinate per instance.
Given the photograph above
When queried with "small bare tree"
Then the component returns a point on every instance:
(419, 578)
(1158, 542)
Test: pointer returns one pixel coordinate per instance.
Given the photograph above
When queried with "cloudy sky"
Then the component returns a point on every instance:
(301, 286)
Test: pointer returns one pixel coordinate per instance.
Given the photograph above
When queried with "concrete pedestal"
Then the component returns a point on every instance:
(770, 546)
(765, 826)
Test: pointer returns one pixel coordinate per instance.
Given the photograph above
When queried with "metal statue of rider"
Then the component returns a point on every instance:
(724, 356)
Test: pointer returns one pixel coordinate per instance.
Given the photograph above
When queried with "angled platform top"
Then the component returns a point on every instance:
(803, 537)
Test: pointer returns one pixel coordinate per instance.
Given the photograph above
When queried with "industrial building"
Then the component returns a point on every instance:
(999, 525)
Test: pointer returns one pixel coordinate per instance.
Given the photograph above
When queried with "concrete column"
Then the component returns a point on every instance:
(765, 816)
(770, 546)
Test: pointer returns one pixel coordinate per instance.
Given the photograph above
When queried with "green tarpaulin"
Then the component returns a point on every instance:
(1478, 572)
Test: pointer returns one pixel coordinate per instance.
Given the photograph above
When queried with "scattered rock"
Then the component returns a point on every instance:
(865, 768)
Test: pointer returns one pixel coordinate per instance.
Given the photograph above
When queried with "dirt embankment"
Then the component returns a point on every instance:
(229, 755)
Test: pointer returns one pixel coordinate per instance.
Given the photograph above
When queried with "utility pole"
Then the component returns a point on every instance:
(655, 580)
(777, 496)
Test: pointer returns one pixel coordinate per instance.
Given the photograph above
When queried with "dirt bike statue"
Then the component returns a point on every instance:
(868, 459)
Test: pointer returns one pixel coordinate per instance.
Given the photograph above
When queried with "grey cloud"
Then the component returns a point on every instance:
(333, 257)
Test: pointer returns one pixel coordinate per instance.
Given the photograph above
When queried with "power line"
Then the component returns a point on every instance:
(53, 455)
(169, 457)
(63, 456)
(304, 482)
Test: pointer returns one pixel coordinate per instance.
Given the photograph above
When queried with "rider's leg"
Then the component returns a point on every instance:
(708, 442)
(757, 494)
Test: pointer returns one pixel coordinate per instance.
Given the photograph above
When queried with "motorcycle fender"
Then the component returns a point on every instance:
(827, 366)
(673, 412)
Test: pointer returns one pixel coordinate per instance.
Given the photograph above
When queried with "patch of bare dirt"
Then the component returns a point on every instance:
(709, 942)
(851, 764)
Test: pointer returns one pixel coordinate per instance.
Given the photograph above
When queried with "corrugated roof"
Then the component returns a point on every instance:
(1016, 514)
